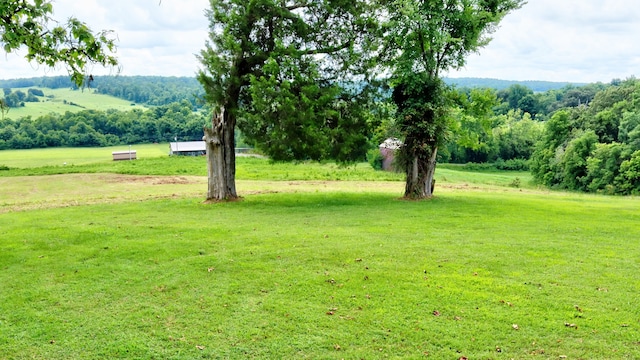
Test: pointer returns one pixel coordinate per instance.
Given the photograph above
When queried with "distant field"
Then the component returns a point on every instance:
(153, 160)
(63, 100)
(75, 156)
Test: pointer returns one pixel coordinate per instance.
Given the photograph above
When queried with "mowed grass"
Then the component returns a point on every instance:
(317, 269)
(62, 100)
(60, 157)
(153, 160)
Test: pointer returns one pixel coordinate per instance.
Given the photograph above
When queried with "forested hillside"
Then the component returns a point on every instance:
(174, 111)
(159, 90)
(594, 148)
(145, 90)
(497, 84)
(103, 128)
(504, 126)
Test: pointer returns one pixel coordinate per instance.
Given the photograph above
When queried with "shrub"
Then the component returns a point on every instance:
(628, 180)
(478, 166)
(374, 157)
(35, 92)
(512, 164)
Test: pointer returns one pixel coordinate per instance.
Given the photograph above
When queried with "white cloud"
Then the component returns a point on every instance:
(562, 40)
(557, 40)
(154, 37)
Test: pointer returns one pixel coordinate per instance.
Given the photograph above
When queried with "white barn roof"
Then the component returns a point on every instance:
(391, 143)
(187, 146)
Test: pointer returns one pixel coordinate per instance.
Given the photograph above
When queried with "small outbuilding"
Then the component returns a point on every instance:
(187, 148)
(387, 150)
(124, 155)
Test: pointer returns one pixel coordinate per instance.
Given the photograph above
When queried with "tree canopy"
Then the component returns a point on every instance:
(421, 39)
(596, 147)
(276, 67)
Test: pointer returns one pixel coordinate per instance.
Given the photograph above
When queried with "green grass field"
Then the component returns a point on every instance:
(38, 158)
(63, 100)
(124, 260)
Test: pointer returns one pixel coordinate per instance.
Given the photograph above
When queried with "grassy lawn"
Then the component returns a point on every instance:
(63, 100)
(316, 262)
(58, 157)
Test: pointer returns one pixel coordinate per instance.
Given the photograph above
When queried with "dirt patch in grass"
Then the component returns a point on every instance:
(150, 180)
(43, 192)
(321, 182)
(457, 187)
(23, 193)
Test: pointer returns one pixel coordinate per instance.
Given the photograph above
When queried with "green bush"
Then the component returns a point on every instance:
(512, 164)
(478, 166)
(628, 180)
(374, 157)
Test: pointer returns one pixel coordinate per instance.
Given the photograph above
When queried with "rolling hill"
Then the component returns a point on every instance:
(66, 99)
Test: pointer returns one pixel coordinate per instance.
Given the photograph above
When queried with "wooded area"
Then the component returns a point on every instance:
(103, 128)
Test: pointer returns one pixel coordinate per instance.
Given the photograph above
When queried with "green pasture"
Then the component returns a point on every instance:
(52, 157)
(63, 100)
(124, 260)
(153, 159)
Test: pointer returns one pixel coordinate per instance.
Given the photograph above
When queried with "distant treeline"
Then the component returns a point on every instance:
(161, 90)
(511, 130)
(594, 148)
(144, 90)
(535, 85)
(576, 138)
(103, 128)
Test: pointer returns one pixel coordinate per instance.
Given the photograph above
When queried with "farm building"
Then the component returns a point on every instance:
(388, 149)
(124, 155)
(187, 148)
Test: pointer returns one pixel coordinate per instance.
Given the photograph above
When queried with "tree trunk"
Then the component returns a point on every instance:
(221, 157)
(420, 181)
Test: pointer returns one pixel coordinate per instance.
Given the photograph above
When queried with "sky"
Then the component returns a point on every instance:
(579, 41)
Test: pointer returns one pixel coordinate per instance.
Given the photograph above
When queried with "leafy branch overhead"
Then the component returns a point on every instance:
(29, 25)
(437, 35)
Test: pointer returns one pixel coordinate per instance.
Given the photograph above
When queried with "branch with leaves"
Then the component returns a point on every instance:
(28, 24)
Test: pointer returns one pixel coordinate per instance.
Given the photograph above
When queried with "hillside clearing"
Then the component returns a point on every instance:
(62, 100)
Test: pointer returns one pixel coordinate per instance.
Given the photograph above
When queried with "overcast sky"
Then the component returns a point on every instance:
(554, 40)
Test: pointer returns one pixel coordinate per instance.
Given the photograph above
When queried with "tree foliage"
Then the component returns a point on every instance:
(302, 49)
(296, 109)
(261, 44)
(28, 24)
(423, 38)
(473, 138)
(592, 148)
(103, 128)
